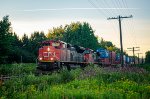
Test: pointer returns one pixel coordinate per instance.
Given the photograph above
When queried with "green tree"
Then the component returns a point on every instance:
(56, 33)
(147, 58)
(26, 43)
(80, 34)
(35, 40)
(15, 51)
(5, 39)
(76, 33)
(109, 46)
(25, 47)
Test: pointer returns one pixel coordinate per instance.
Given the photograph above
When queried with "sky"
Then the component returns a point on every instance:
(27, 16)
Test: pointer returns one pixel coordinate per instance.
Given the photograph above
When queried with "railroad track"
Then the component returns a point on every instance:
(4, 78)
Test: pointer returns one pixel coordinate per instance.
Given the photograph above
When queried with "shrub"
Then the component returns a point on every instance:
(66, 76)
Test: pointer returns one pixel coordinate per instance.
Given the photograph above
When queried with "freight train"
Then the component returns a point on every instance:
(54, 54)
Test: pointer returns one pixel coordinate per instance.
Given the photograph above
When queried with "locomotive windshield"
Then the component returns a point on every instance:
(55, 44)
(86, 52)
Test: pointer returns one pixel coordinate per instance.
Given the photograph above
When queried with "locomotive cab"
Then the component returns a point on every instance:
(49, 51)
(49, 54)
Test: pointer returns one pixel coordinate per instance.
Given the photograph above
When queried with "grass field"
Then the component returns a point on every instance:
(91, 83)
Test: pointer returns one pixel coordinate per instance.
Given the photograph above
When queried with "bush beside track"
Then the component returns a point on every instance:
(92, 82)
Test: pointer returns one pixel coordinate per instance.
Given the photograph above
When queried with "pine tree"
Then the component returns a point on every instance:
(5, 39)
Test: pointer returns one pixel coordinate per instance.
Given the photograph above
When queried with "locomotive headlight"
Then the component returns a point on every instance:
(40, 58)
(48, 49)
(51, 59)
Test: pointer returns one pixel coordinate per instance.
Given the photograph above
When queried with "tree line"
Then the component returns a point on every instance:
(15, 49)
(25, 49)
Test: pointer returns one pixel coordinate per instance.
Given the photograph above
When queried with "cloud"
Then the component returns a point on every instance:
(60, 9)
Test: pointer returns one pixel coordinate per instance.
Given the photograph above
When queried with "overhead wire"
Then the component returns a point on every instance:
(130, 23)
(108, 12)
(125, 11)
(131, 26)
(104, 2)
(101, 11)
(111, 13)
(117, 4)
(97, 8)
(125, 27)
(122, 4)
(118, 7)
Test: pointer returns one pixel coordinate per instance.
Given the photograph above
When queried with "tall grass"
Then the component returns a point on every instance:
(92, 82)
(17, 69)
(145, 66)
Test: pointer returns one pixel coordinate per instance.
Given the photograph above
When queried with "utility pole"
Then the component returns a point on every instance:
(139, 57)
(121, 45)
(133, 50)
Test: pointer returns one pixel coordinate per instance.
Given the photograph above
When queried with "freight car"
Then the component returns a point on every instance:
(108, 58)
(111, 58)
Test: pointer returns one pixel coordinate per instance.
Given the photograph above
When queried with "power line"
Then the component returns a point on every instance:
(123, 10)
(104, 4)
(121, 45)
(126, 5)
(127, 24)
(104, 13)
(94, 5)
(107, 5)
(117, 4)
(130, 24)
